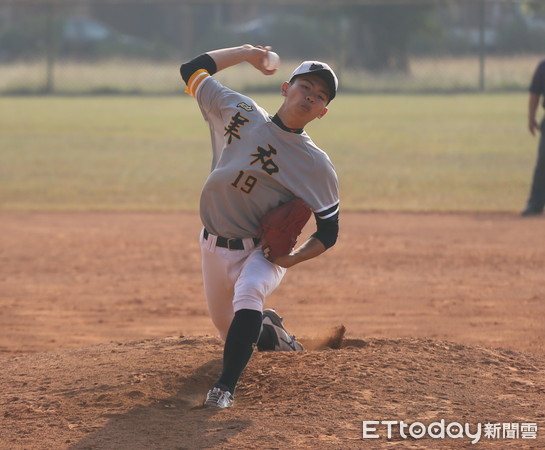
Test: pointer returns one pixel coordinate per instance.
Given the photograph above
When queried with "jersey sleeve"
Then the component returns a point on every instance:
(197, 73)
(321, 192)
(215, 101)
(322, 195)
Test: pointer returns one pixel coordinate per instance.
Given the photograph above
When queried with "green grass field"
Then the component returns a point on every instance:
(419, 153)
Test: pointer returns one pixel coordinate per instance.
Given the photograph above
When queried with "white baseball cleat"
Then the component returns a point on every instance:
(283, 340)
(216, 398)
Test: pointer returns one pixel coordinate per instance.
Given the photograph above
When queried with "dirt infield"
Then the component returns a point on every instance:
(105, 341)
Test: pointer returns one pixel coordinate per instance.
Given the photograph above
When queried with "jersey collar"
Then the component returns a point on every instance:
(276, 119)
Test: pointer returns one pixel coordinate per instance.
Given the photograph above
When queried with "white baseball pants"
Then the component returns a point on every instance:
(236, 279)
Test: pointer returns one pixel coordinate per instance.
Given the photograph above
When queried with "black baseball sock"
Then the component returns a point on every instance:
(239, 346)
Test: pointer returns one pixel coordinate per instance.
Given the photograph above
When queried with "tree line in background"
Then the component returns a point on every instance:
(375, 37)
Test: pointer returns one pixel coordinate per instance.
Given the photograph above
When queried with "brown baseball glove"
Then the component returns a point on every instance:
(280, 227)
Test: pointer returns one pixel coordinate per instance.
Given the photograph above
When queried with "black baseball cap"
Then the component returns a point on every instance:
(323, 71)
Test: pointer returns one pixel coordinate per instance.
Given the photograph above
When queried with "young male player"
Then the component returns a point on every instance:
(259, 161)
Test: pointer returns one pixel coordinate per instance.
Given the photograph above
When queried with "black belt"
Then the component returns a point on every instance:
(231, 244)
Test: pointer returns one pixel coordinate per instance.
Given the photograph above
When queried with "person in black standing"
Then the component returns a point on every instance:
(536, 200)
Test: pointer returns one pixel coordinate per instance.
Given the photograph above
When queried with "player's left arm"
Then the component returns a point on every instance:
(324, 198)
(324, 238)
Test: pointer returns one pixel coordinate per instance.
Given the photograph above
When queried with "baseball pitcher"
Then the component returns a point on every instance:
(259, 162)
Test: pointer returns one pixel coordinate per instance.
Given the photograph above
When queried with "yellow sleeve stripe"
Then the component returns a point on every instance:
(195, 82)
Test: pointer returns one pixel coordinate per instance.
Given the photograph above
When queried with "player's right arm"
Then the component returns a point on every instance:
(217, 102)
(255, 55)
(216, 60)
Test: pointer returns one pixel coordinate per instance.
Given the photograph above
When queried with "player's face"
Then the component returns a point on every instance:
(307, 97)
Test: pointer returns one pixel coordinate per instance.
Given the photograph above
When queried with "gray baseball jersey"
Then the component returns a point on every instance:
(256, 165)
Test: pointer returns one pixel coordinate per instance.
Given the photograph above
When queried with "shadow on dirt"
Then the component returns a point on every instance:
(175, 422)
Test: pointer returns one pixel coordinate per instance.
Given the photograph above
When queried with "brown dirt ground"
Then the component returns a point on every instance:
(105, 341)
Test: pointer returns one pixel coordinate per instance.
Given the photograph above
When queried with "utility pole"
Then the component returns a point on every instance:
(50, 49)
(482, 45)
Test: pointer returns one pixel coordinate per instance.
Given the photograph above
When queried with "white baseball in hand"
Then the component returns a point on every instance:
(271, 61)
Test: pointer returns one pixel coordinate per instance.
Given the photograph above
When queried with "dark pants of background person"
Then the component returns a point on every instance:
(536, 202)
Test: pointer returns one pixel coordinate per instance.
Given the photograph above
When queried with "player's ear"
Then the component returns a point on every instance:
(323, 113)
(284, 88)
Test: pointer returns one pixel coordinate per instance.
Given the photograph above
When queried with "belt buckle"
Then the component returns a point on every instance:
(229, 243)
